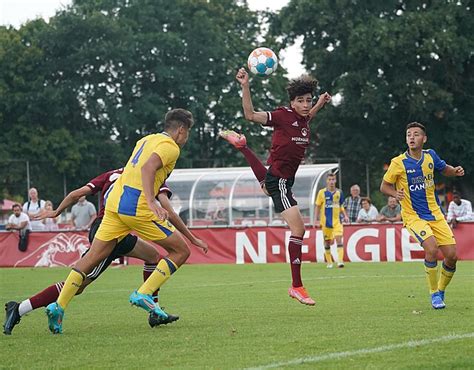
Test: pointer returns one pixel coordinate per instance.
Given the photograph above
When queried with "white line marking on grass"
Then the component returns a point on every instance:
(364, 351)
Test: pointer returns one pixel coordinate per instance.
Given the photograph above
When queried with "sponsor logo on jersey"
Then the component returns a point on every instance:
(421, 182)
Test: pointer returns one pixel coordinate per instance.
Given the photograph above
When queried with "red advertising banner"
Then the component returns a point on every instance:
(362, 243)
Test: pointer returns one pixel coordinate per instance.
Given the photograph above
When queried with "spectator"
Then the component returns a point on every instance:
(459, 210)
(368, 212)
(352, 203)
(83, 214)
(390, 212)
(217, 207)
(19, 221)
(32, 208)
(50, 224)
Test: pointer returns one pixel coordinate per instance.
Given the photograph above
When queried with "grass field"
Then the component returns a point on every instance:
(239, 316)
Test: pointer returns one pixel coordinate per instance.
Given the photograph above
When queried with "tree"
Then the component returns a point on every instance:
(392, 62)
(103, 73)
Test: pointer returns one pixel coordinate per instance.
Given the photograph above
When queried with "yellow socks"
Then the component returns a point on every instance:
(340, 253)
(327, 254)
(163, 271)
(431, 269)
(445, 276)
(70, 288)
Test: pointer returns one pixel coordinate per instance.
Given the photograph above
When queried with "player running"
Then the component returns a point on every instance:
(289, 142)
(331, 200)
(410, 179)
(131, 206)
(129, 246)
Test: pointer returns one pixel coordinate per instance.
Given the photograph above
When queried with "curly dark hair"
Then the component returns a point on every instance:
(300, 86)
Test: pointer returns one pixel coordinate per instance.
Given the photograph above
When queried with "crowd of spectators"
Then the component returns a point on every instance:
(359, 210)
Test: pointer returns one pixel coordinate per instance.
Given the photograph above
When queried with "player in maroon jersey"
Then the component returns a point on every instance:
(131, 246)
(289, 142)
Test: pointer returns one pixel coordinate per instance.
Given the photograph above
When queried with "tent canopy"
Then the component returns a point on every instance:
(232, 196)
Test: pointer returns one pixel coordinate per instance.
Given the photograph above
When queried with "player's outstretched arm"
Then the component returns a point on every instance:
(249, 113)
(389, 189)
(179, 224)
(148, 171)
(70, 199)
(451, 171)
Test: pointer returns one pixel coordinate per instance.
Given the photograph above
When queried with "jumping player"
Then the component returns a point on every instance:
(410, 179)
(289, 142)
(331, 200)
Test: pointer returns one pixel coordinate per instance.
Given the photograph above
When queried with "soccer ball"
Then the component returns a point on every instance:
(262, 62)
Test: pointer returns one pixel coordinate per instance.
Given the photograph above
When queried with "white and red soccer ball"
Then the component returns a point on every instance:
(262, 62)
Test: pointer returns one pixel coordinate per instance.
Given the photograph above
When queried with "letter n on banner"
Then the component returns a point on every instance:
(243, 244)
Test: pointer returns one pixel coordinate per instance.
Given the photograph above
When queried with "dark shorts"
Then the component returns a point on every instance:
(280, 191)
(124, 247)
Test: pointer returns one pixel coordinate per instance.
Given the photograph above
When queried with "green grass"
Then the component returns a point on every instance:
(238, 316)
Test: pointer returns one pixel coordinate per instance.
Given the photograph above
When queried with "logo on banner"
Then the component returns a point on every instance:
(61, 250)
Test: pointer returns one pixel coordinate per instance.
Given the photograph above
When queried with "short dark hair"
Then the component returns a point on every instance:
(331, 174)
(366, 199)
(178, 117)
(300, 86)
(416, 124)
(16, 205)
(456, 194)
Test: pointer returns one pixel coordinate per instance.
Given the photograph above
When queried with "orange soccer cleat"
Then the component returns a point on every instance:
(237, 140)
(301, 295)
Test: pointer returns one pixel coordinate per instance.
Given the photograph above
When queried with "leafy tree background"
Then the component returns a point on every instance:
(393, 62)
(77, 92)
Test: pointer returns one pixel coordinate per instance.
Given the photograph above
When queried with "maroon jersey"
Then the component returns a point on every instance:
(103, 182)
(289, 141)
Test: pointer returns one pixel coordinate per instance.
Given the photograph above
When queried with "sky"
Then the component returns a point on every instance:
(16, 12)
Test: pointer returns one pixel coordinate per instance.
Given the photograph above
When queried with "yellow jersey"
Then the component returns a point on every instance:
(330, 204)
(416, 178)
(126, 196)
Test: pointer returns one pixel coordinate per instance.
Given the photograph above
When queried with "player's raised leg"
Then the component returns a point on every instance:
(240, 143)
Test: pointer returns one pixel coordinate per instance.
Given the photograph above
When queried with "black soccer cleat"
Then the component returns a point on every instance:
(12, 317)
(155, 320)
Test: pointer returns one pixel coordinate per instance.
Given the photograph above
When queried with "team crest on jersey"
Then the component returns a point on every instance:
(295, 124)
(304, 131)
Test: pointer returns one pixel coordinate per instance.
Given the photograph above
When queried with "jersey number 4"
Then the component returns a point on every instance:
(138, 154)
